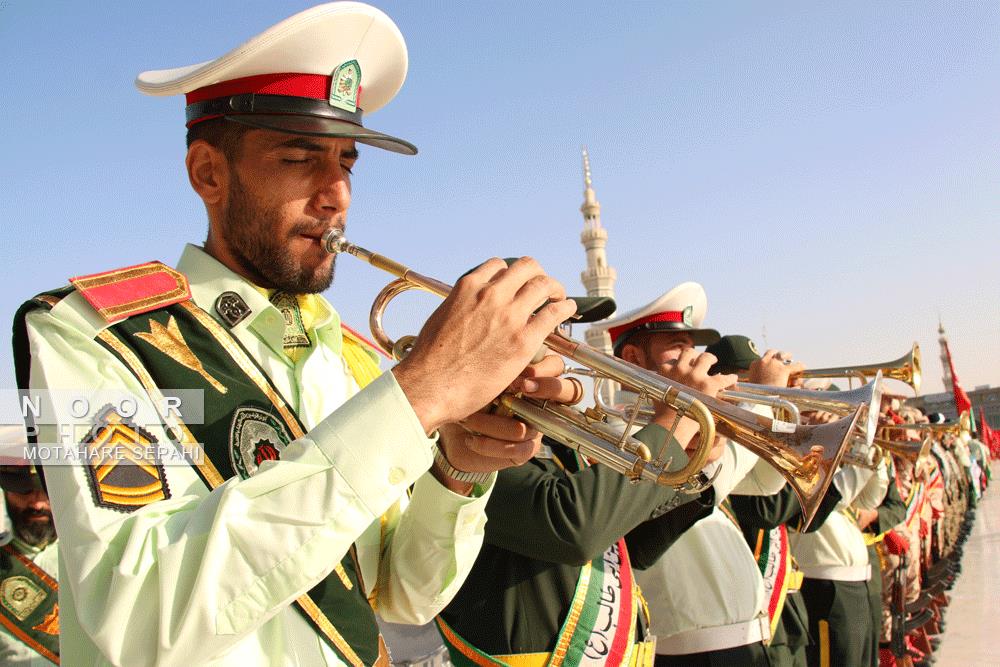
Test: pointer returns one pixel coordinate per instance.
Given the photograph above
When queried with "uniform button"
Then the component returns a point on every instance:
(396, 475)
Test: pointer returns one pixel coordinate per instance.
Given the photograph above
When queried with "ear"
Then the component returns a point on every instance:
(633, 354)
(208, 172)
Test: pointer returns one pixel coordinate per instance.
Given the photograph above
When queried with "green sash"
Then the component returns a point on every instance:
(246, 422)
(29, 603)
(599, 628)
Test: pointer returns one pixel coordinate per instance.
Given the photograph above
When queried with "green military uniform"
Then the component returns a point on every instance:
(533, 596)
(758, 518)
(29, 613)
(834, 560)
(161, 568)
(891, 512)
(706, 593)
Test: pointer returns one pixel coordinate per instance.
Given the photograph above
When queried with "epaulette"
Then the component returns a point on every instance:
(122, 293)
(354, 335)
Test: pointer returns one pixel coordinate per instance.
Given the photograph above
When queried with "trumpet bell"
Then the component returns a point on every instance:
(807, 456)
(906, 369)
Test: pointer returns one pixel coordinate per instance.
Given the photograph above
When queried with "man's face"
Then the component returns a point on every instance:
(31, 515)
(285, 192)
(661, 348)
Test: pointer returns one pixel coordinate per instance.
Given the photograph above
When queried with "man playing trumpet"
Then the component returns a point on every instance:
(283, 521)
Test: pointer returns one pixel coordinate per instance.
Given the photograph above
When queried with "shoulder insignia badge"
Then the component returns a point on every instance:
(122, 464)
(255, 436)
(20, 596)
(121, 293)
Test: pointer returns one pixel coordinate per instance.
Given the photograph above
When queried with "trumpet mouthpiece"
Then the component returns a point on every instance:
(333, 240)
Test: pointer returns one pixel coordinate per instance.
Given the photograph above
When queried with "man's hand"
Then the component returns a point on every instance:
(866, 517)
(485, 442)
(691, 369)
(774, 369)
(480, 339)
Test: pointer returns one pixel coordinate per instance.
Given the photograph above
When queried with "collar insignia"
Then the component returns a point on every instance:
(231, 308)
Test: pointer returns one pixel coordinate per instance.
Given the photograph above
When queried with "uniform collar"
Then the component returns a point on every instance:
(26, 548)
(209, 279)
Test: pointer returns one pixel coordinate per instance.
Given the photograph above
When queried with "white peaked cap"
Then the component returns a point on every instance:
(286, 78)
(683, 308)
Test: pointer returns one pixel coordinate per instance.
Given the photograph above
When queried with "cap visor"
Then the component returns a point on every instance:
(704, 336)
(593, 308)
(325, 127)
(17, 483)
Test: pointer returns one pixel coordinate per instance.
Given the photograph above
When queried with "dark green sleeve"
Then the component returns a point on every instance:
(650, 539)
(891, 512)
(541, 512)
(766, 512)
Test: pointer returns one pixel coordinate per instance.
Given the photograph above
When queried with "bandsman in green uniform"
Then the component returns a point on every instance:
(705, 592)
(29, 592)
(765, 522)
(834, 560)
(555, 581)
(269, 529)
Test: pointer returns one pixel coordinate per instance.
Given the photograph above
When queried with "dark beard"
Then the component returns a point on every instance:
(261, 255)
(35, 533)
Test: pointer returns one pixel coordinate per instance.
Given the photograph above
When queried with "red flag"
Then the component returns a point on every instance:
(962, 402)
(988, 436)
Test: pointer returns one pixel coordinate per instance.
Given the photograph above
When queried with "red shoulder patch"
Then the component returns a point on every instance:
(121, 293)
(364, 341)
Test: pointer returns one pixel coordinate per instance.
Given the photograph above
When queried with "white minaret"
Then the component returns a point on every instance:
(945, 367)
(599, 278)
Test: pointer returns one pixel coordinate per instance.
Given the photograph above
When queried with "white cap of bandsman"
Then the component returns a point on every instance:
(681, 309)
(316, 73)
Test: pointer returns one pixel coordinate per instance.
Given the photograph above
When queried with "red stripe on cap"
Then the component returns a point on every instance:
(315, 86)
(669, 316)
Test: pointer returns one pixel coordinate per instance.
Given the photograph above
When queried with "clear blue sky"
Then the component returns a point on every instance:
(827, 172)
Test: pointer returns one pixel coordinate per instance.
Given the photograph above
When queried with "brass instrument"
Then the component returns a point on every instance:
(910, 449)
(905, 369)
(863, 402)
(806, 455)
(952, 428)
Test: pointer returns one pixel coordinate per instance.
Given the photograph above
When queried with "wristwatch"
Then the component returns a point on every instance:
(459, 475)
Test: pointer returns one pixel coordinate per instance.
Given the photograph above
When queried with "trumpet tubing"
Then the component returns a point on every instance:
(619, 451)
(805, 455)
(906, 369)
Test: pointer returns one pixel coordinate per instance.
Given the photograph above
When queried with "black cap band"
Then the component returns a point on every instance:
(253, 103)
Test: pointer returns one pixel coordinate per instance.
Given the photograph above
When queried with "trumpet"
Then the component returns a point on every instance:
(863, 401)
(905, 369)
(909, 449)
(805, 455)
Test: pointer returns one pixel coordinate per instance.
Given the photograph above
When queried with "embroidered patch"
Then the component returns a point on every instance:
(254, 437)
(232, 308)
(295, 329)
(122, 468)
(50, 624)
(753, 347)
(345, 85)
(21, 596)
(169, 341)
